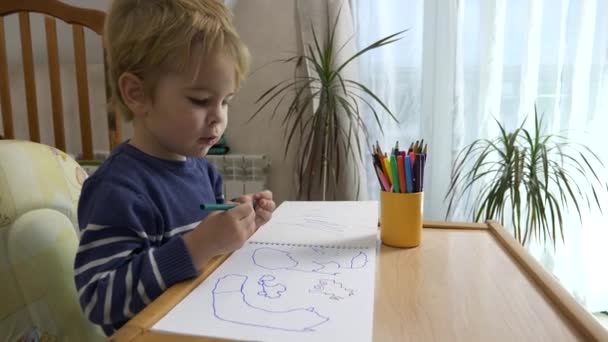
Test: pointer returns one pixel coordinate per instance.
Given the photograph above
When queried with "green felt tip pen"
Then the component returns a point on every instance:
(215, 206)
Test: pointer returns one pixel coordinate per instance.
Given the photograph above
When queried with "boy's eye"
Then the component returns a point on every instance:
(199, 102)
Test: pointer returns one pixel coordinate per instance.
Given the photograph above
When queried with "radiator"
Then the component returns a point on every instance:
(242, 173)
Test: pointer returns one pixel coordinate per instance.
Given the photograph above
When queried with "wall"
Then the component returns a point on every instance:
(267, 27)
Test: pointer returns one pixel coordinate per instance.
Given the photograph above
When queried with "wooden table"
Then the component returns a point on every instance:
(465, 282)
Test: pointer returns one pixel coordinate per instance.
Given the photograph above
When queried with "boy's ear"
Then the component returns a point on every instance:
(133, 94)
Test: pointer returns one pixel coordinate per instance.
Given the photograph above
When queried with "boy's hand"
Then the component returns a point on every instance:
(264, 205)
(220, 233)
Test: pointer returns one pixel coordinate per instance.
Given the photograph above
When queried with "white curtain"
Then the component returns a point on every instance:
(465, 62)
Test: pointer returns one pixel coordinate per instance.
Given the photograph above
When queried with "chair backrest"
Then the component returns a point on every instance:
(79, 18)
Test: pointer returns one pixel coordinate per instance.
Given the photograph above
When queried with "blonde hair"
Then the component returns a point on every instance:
(147, 37)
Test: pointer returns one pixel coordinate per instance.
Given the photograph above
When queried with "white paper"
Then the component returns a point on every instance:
(282, 293)
(306, 275)
(353, 224)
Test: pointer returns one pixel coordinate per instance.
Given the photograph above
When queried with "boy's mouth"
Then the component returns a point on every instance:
(209, 140)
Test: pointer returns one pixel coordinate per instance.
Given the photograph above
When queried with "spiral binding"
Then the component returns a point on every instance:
(306, 245)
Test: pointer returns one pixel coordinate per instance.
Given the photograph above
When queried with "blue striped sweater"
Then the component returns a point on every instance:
(131, 214)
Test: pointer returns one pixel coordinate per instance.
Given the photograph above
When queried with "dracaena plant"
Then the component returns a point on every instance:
(529, 178)
(323, 118)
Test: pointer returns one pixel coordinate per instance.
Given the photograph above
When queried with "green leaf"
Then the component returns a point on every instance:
(295, 124)
(381, 42)
(590, 167)
(296, 100)
(272, 96)
(353, 114)
(370, 93)
(374, 112)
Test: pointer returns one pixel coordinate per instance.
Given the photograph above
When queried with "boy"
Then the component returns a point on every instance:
(174, 65)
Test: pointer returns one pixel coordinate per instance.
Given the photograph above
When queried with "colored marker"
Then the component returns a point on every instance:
(401, 169)
(408, 174)
(387, 170)
(417, 173)
(395, 172)
(386, 186)
(215, 206)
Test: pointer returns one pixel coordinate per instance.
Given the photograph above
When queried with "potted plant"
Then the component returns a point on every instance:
(324, 117)
(528, 178)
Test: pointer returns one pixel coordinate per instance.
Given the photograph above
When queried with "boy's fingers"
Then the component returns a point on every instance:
(213, 213)
(243, 199)
(251, 224)
(264, 215)
(241, 211)
(266, 194)
(268, 205)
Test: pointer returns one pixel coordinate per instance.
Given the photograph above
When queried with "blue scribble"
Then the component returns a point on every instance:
(270, 289)
(275, 259)
(326, 267)
(317, 250)
(230, 305)
(335, 290)
(358, 261)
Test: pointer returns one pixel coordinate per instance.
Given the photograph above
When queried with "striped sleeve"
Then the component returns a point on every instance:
(118, 269)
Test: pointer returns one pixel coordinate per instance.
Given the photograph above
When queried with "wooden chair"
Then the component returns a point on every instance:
(78, 18)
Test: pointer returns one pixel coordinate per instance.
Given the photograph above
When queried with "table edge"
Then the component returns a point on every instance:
(565, 304)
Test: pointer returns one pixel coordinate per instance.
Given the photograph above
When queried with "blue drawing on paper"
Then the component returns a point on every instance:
(333, 289)
(276, 259)
(270, 288)
(358, 261)
(318, 250)
(230, 305)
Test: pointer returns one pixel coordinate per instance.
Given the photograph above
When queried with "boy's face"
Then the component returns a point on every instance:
(186, 117)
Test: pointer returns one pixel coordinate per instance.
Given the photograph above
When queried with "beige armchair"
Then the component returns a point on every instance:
(39, 189)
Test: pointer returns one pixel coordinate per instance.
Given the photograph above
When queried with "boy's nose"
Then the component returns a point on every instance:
(215, 114)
